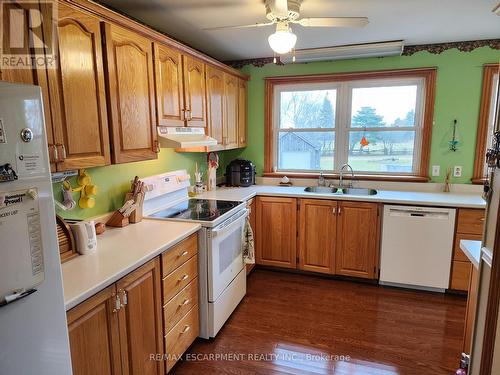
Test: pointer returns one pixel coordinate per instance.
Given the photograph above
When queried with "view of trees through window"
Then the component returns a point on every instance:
(307, 130)
(380, 137)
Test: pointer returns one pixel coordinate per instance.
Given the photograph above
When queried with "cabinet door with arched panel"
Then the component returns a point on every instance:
(77, 91)
(131, 100)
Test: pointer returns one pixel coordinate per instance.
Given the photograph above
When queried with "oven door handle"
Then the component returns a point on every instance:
(219, 230)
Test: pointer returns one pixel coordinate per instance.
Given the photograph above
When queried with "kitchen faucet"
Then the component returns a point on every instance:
(341, 178)
(321, 179)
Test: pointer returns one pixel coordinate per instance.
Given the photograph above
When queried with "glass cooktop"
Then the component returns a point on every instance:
(197, 209)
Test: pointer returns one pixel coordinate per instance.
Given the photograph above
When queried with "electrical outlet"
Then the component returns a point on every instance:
(457, 171)
(436, 170)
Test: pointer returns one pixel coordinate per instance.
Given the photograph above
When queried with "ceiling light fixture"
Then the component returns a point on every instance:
(283, 40)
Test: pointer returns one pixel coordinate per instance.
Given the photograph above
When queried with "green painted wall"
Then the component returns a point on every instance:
(114, 181)
(458, 94)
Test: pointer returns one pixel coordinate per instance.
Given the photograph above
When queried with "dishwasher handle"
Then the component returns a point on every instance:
(402, 212)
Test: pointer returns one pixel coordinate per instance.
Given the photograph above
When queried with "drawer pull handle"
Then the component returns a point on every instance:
(186, 328)
(483, 219)
(184, 277)
(186, 301)
(184, 253)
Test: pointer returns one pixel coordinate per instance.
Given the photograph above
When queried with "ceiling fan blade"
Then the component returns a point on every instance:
(279, 8)
(333, 22)
(238, 26)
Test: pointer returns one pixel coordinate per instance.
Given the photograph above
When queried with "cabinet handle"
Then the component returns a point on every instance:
(186, 328)
(55, 153)
(156, 146)
(118, 304)
(482, 219)
(184, 277)
(187, 114)
(184, 253)
(339, 210)
(63, 149)
(186, 301)
(125, 299)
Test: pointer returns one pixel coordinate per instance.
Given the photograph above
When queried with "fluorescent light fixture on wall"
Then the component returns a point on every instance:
(352, 51)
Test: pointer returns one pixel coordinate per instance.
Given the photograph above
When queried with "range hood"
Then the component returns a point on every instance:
(184, 138)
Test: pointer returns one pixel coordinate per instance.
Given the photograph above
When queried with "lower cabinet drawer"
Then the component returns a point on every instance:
(178, 306)
(182, 336)
(180, 278)
(460, 275)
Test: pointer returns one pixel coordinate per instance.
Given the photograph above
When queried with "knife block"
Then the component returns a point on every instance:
(117, 220)
(136, 215)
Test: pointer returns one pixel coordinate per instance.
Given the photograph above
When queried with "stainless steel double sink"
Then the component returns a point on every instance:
(339, 191)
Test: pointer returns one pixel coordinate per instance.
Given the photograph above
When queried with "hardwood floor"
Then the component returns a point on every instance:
(298, 324)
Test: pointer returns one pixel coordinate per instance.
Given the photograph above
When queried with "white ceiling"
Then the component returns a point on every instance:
(414, 21)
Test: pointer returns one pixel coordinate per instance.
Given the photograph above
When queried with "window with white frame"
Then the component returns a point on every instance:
(375, 125)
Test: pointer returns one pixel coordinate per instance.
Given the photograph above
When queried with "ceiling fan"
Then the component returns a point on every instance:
(282, 13)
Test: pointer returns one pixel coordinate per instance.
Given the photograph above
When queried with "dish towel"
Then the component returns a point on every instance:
(248, 245)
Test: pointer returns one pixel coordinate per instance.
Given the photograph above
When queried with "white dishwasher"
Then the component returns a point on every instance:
(417, 244)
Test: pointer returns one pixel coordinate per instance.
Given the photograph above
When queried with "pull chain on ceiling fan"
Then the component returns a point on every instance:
(282, 13)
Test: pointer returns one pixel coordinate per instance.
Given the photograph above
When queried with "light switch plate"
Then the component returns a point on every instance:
(457, 171)
(436, 170)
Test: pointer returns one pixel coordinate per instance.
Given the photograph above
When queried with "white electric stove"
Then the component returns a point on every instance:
(222, 275)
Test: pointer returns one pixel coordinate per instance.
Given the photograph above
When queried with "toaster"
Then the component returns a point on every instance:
(240, 172)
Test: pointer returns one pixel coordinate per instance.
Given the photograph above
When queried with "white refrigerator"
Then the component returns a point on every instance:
(33, 330)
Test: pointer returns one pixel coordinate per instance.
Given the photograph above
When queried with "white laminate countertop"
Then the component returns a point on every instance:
(467, 200)
(472, 249)
(119, 251)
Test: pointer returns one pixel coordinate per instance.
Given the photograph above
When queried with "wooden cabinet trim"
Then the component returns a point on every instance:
(111, 16)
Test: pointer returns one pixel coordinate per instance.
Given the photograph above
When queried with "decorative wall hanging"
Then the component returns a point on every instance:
(453, 143)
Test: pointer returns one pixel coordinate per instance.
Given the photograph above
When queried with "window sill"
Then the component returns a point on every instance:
(365, 177)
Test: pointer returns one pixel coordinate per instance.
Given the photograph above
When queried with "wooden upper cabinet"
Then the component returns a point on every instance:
(357, 240)
(140, 320)
(231, 91)
(317, 234)
(276, 229)
(194, 91)
(78, 99)
(131, 95)
(94, 335)
(242, 113)
(169, 86)
(215, 104)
